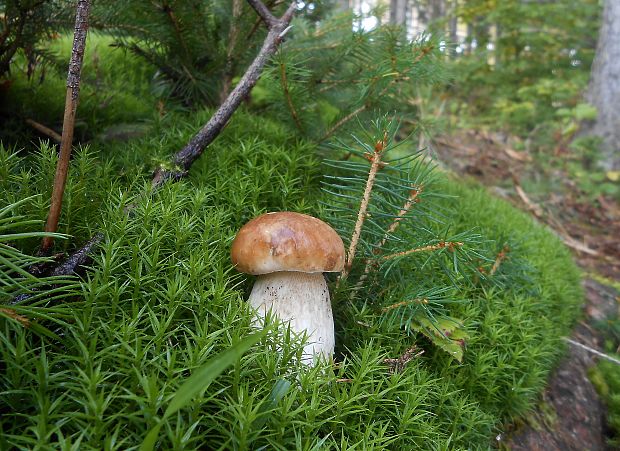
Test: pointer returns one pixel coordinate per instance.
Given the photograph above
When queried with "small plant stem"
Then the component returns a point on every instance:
(412, 199)
(183, 159)
(375, 165)
(71, 101)
(287, 94)
(431, 247)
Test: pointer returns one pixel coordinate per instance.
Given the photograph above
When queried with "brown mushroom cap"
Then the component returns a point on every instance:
(287, 241)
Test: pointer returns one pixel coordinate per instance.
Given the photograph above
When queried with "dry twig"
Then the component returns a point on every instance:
(71, 101)
(44, 130)
(183, 159)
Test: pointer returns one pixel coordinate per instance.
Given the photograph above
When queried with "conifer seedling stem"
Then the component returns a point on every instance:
(375, 165)
(71, 101)
(412, 199)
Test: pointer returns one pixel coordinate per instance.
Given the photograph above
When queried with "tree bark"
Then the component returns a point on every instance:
(604, 90)
(398, 12)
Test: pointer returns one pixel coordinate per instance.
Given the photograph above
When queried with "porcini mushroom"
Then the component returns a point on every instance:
(289, 252)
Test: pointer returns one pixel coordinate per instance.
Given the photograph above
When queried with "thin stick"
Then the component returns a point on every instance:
(71, 101)
(45, 130)
(264, 13)
(591, 350)
(343, 121)
(183, 159)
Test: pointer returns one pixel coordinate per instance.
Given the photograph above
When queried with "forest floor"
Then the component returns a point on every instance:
(570, 415)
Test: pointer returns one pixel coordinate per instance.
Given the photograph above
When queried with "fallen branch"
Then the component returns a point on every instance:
(591, 350)
(561, 234)
(67, 267)
(44, 130)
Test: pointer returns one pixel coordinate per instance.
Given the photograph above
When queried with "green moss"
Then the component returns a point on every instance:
(162, 298)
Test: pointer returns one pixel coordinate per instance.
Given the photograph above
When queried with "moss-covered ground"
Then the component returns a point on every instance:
(161, 298)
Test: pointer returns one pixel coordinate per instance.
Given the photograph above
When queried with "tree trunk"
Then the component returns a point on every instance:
(398, 12)
(604, 90)
(343, 5)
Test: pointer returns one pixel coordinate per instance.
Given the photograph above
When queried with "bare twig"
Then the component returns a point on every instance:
(67, 267)
(591, 350)
(343, 121)
(264, 13)
(183, 159)
(45, 130)
(71, 101)
(77, 258)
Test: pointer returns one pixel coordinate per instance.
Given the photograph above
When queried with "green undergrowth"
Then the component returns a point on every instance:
(161, 298)
(117, 92)
(605, 376)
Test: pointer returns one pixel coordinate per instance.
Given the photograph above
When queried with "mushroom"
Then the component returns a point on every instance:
(289, 252)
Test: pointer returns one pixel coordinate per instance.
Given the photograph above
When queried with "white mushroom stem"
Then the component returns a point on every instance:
(302, 299)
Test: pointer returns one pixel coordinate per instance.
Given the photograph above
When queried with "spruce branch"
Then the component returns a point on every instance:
(411, 200)
(287, 94)
(375, 165)
(183, 159)
(71, 101)
(424, 51)
(450, 245)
